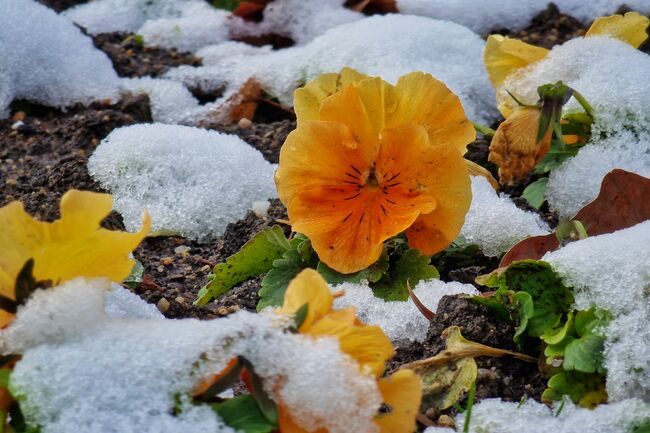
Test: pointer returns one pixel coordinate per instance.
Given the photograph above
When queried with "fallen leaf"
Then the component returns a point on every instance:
(241, 105)
(622, 202)
(382, 6)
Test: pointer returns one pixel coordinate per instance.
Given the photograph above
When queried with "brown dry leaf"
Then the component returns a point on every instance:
(382, 6)
(250, 10)
(623, 201)
(241, 105)
(515, 148)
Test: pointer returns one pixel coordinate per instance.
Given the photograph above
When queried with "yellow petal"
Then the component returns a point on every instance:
(307, 100)
(426, 101)
(515, 148)
(402, 393)
(368, 345)
(72, 246)
(478, 170)
(631, 28)
(502, 56)
(308, 287)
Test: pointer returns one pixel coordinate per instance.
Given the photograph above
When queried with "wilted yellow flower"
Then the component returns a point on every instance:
(368, 345)
(502, 55)
(370, 160)
(515, 147)
(72, 246)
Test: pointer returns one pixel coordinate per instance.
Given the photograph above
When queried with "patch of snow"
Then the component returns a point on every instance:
(612, 271)
(46, 59)
(121, 302)
(192, 181)
(448, 51)
(577, 182)
(607, 72)
(399, 320)
(495, 223)
(497, 416)
(198, 25)
(483, 17)
(299, 20)
(126, 375)
(170, 101)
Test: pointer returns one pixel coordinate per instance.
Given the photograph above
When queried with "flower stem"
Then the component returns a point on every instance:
(484, 129)
(583, 102)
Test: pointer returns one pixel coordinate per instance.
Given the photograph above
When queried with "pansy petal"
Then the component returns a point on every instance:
(318, 155)
(631, 28)
(450, 185)
(402, 393)
(426, 101)
(368, 345)
(502, 56)
(286, 424)
(308, 287)
(307, 100)
(72, 246)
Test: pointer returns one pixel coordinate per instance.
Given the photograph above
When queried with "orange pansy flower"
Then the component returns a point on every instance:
(369, 160)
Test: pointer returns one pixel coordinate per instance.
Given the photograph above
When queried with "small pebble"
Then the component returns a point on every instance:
(261, 208)
(205, 269)
(182, 250)
(163, 305)
(17, 124)
(180, 299)
(223, 311)
(167, 261)
(244, 123)
(446, 421)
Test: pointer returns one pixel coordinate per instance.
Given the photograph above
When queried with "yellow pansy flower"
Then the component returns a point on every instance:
(502, 55)
(73, 246)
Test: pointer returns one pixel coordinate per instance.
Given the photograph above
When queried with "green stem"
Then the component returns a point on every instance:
(470, 405)
(484, 129)
(583, 102)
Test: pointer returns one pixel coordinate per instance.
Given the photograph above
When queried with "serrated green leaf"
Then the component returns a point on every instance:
(535, 193)
(242, 414)
(585, 389)
(585, 354)
(254, 258)
(372, 273)
(277, 280)
(551, 298)
(411, 268)
(135, 277)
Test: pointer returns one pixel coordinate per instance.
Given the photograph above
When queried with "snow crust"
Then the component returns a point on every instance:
(94, 373)
(121, 302)
(46, 59)
(401, 321)
(577, 182)
(388, 46)
(497, 416)
(495, 223)
(192, 181)
(607, 72)
(484, 16)
(612, 271)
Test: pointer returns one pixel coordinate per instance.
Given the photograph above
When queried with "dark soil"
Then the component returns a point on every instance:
(132, 59)
(61, 5)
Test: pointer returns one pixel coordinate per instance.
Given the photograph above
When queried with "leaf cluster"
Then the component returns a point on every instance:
(281, 259)
(532, 296)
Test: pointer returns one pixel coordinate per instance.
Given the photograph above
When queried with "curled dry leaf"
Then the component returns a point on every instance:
(621, 203)
(241, 105)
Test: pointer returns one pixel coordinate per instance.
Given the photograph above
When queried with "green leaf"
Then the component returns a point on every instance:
(135, 277)
(254, 258)
(585, 354)
(551, 298)
(585, 389)
(242, 414)
(229, 5)
(264, 402)
(275, 282)
(526, 309)
(411, 268)
(555, 157)
(499, 303)
(372, 273)
(534, 193)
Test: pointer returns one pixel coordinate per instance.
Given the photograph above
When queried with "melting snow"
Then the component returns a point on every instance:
(612, 271)
(495, 223)
(192, 181)
(98, 374)
(46, 59)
